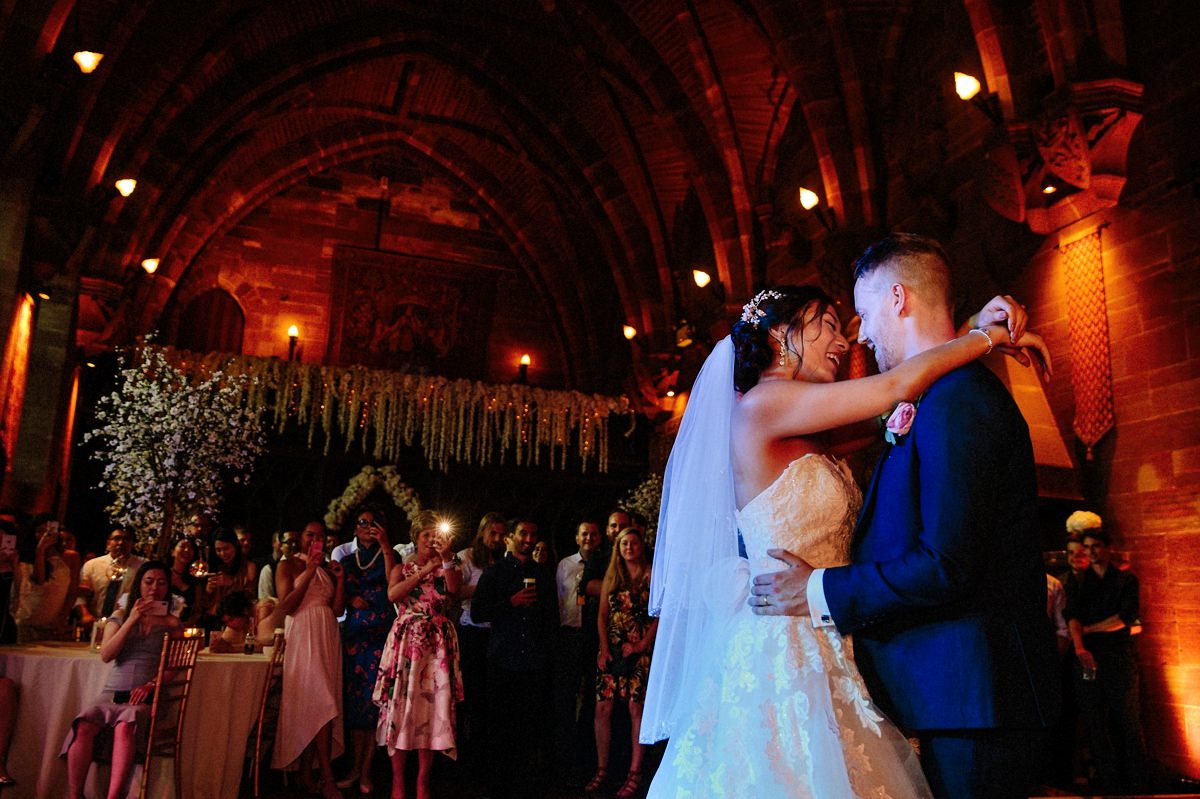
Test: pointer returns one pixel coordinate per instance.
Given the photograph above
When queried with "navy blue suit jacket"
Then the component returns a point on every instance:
(946, 592)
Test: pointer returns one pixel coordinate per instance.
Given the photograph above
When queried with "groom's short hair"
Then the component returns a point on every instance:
(917, 261)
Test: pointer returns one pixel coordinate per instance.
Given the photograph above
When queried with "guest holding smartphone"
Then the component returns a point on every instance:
(48, 585)
(312, 596)
(419, 680)
(231, 571)
(117, 724)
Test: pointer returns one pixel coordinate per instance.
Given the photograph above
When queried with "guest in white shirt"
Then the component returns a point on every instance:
(572, 666)
(96, 575)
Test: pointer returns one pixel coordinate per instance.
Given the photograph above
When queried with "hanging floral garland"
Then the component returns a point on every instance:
(460, 421)
(362, 484)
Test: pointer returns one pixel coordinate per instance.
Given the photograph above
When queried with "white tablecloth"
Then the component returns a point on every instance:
(54, 683)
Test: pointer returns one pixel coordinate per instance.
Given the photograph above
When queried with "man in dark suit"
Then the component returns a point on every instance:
(945, 594)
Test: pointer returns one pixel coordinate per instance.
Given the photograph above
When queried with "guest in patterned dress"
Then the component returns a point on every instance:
(419, 679)
(369, 617)
(626, 639)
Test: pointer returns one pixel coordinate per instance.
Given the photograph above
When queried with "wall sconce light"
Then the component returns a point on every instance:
(1049, 187)
(150, 265)
(523, 369)
(809, 201)
(87, 61)
(701, 277)
(969, 89)
(629, 331)
(293, 338)
(685, 334)
(125, 186)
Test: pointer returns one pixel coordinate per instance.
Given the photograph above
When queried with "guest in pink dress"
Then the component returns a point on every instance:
(419, 680)
(311, 594)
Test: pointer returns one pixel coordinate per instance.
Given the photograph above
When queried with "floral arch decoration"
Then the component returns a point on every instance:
(360, 487)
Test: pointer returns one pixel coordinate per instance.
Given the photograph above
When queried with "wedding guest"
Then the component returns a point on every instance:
(312, 596)
(8, 719)
(229, 570)
(518, 597)
(1102, 607)
(103, 578)
(48, 585)
(185, 589)
(118, 721)
(626, 632)
(544, 554)
(282, 544)
(369, 618)
(571, 667)
(486, 548)
(419, 679)
(235, 611)
(10, 566)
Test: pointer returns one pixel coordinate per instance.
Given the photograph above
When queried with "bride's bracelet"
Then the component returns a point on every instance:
(986, 335)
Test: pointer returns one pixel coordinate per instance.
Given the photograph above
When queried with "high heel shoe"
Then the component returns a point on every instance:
(596, 781)
(633, 784)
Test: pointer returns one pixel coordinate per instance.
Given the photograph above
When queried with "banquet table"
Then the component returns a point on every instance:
(56, 682)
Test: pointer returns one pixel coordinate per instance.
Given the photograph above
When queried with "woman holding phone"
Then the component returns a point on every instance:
(48, 585)
(369, 617)
(419, 680)
(231, 571)
(118, 722)
(312, 596)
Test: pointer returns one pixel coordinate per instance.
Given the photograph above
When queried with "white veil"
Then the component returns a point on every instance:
(697, 529)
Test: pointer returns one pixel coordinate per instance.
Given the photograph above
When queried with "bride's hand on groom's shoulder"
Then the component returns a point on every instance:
(1030, 349)
(782, 593)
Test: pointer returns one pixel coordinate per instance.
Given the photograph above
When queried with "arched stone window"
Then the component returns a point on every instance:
(211, 322)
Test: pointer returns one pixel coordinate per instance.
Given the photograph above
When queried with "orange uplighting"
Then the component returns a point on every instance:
(14, 373)
(87, 61)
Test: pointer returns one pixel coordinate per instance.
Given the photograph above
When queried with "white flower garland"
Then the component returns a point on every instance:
(362, 484)
(460, 421)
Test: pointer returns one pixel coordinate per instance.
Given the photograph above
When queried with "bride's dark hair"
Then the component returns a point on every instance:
(753, 347)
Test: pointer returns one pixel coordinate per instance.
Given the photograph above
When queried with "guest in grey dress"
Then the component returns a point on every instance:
(118, 722)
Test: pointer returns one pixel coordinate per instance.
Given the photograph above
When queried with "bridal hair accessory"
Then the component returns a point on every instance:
(751, 313)
(900, 422)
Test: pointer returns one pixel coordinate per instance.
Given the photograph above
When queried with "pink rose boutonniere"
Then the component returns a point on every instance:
(900, 422)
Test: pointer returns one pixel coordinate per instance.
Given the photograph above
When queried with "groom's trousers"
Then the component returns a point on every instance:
(980, 764)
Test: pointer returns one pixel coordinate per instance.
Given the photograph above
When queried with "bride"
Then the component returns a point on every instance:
(769, 706)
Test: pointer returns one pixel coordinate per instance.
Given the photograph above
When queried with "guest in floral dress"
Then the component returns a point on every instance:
(419, 679)
(369, 617)
(626, 639)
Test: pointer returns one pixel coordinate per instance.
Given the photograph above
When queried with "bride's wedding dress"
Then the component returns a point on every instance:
(779, 708)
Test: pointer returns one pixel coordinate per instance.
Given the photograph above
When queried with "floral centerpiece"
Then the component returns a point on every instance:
(362, 484)
(168, 443)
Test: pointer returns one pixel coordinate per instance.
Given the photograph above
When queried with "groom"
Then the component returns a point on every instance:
(945, 594)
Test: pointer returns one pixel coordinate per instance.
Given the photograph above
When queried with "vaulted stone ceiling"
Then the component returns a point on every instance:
(611, 145)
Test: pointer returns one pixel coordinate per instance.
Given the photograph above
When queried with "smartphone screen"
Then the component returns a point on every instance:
(158, 609)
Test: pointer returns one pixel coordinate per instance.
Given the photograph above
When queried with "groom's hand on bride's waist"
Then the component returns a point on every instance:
(782, 593)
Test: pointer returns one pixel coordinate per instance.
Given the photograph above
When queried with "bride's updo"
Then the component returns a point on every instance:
(753, 347)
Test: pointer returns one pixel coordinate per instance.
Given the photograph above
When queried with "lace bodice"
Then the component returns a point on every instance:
(809, 510)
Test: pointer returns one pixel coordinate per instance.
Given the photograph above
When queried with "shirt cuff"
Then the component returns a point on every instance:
(818, 607)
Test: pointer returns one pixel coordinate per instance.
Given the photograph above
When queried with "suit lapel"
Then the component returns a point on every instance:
(864, 515)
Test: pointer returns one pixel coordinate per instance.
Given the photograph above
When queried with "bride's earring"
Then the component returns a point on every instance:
(782, 352)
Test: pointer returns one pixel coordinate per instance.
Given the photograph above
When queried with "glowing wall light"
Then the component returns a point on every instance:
(87, 61)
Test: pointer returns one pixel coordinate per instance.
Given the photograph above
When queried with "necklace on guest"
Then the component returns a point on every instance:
(371, 562)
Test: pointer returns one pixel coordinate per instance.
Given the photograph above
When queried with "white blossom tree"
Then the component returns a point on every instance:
(168, 443)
